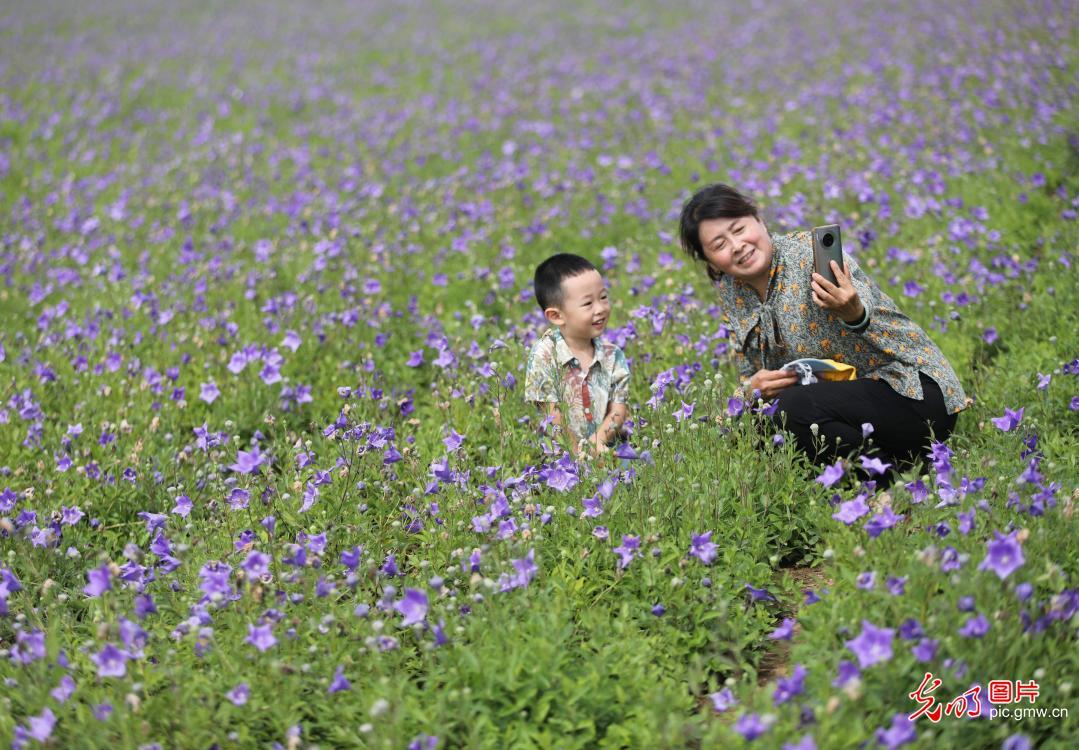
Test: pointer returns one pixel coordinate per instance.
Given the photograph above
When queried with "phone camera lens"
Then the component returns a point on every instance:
(828, 239)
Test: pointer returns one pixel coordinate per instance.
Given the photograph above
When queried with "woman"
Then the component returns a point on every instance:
(780, 310)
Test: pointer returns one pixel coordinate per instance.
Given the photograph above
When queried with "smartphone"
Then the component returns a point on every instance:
(827, 246)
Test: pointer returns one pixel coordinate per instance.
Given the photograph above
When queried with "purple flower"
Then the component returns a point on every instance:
(144, 606)
(525, 570)
(806, 743)
(831, 474)
(256, 565)
(41, 726)
(183, 506)
(412, 606)
(593, 507)
(703, 548)
(989, 335)
(99, 581)
(453, 440)
(214, 579)
(966, 521)
(8, 500)
(1010, 420)
(950, 559)
(415, 359)
(238, 498)
(248, 462)
(1003, 556)
(628, 550)
(111, 661)
(424, 742)
(789, 687)
(975, 627)
(851, 511)
(339, 682)
(752, 726)
(389, 567)
(847, 671)
(239, 694)
(723, 700)
(735, 406)
(29, 647)
(926, 650)
(209, 392)
(900, 733)
(874, 465)
(292, 340)
(866, 581)
(659, 610)
(785, 631)
(561, 480)
(910, 629)
(918, 491)
(867, 429)
(873, 645)
(757, 595)
(261, 637)
(1016, 742)
(684, 412)
(886, 519)
(896, 585)
(62, 692)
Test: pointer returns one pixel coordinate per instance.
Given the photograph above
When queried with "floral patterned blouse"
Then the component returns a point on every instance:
(789, 325)
(555, 376)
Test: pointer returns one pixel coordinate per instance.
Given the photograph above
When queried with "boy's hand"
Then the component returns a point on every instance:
(599, 445)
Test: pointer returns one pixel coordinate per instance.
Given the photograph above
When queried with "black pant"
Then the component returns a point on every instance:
(902, 427)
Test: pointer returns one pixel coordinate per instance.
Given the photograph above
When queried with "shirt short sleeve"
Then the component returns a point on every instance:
(541, 374)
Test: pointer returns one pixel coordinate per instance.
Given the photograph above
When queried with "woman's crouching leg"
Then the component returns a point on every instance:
(817, 418)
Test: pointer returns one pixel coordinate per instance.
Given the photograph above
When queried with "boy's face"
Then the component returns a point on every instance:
(585, 307)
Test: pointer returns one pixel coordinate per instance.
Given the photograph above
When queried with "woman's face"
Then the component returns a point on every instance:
(738, 247)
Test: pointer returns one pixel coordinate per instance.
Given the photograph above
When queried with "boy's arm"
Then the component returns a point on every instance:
(612, 425)
(617, 409)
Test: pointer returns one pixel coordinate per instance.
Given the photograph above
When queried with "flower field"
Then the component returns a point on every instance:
(267, 478)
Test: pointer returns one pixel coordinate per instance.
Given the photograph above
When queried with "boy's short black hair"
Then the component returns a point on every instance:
(716, 201)
(550, 274)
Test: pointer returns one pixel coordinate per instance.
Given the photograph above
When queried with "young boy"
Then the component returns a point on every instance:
(581, 380)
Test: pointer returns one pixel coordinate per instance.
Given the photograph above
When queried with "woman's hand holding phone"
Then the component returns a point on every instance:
(841, 298)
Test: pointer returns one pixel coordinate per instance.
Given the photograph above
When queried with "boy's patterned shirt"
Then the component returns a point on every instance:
(555, 376)
(789, 325)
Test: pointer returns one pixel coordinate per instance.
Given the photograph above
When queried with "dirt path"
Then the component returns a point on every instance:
(776, 661)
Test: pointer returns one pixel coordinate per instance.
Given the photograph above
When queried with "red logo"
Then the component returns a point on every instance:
(969, 703)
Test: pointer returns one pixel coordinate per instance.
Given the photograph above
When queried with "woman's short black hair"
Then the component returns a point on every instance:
(716, 201)
(551, 272)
